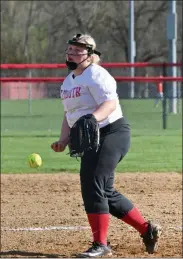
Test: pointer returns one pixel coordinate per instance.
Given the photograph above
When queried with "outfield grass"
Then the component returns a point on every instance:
(152, 148)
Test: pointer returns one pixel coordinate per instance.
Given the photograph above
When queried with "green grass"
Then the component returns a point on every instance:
(152, 148)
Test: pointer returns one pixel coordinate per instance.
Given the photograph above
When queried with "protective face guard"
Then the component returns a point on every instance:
(75, 42)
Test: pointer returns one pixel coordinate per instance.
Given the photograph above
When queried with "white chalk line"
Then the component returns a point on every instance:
(74, 228)
(77, 228)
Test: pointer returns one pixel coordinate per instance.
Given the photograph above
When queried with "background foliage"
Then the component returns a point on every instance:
(37, 31)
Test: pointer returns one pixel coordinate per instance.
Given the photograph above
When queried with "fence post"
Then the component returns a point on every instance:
(30, 95)
(164, 102)
(179, 96)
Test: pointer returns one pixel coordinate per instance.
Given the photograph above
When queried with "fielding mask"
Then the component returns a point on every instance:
(73, 65)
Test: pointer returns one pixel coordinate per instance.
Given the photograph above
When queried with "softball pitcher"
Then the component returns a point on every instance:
(90, 89)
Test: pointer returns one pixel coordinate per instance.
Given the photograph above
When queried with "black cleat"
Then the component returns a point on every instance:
(150, 238)
(96, 250)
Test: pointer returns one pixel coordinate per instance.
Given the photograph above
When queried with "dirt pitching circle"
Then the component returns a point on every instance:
(42, 215)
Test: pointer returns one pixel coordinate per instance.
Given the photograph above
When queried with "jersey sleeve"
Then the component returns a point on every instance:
(103, 88)
(62, 92)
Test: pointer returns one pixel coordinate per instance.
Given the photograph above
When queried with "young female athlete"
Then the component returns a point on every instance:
(90, 89)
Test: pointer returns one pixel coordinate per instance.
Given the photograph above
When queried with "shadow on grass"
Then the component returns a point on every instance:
(62, 170)
(30, 136)
(16, 116)
(24, 116)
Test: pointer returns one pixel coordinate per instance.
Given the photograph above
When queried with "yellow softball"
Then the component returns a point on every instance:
(34, 160)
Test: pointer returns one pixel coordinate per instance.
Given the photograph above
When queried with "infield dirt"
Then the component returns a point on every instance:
(54, 200)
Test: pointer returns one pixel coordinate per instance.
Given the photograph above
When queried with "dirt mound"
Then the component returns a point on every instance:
(41, 213)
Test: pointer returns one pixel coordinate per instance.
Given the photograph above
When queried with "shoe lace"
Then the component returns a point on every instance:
(94, 246)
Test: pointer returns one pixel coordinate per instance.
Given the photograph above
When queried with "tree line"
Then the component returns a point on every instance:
(37, 31)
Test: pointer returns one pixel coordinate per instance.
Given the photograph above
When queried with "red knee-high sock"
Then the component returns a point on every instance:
(99, 224)
(136, 220)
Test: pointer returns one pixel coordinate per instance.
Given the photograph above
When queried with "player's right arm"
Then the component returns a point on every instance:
(62, 142)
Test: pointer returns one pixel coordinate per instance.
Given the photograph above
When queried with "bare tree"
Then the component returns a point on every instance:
(147, 22)
(47, 25)
(26, 29)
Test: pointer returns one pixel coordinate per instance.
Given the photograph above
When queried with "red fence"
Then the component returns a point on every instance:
(118, 78)
(106, 65)
(10, 86)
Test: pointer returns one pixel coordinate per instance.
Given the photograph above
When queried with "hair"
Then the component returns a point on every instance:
(86, 38)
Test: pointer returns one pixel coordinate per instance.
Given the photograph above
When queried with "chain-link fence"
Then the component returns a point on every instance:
(36, 108)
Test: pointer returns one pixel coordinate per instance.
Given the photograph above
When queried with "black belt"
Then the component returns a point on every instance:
(112, 126)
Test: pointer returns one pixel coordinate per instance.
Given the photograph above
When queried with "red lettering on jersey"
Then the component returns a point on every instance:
(78, 91)
(75, 92)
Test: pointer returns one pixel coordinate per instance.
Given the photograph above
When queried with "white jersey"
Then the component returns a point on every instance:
(83, 94)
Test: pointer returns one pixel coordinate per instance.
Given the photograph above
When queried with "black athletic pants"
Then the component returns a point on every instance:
(97, 172)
